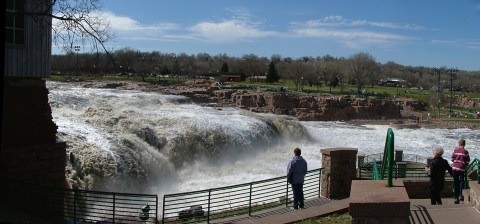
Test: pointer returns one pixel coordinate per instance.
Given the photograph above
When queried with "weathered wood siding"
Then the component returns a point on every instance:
(34, 58)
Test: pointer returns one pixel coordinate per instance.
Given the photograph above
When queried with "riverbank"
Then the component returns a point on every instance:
(199, 87)
(432, 124)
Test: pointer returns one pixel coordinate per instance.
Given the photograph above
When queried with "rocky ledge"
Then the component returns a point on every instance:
(306, 107)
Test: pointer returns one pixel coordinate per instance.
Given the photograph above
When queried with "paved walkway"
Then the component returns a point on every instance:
(421, 212)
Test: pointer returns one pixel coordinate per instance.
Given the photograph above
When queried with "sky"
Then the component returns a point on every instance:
(430, 33)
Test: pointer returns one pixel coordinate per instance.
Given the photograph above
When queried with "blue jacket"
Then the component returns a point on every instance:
(296, 170)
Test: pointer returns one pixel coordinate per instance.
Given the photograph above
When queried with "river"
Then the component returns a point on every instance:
(145, 142)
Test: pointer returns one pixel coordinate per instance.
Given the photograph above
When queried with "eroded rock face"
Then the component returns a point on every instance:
(317, 107)
(307, 107)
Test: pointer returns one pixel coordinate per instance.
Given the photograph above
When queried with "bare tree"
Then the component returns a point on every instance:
(74, 23)
(362, 65)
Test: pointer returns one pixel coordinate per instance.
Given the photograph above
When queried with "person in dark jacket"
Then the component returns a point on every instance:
(296, 171)
(436, 171)
(460, 159)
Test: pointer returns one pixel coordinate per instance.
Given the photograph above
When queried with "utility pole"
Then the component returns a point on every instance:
(452, 72)
(439, 72)
(77, 49)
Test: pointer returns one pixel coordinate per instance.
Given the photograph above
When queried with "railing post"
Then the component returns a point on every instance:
(74, 206)
(208, 205)
(320, 182)
(156, 209)
(113, 218)
(478, 170)
(250, 201)
(163, 209)
(286, 198)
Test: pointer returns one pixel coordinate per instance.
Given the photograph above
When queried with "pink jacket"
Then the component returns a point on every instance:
(460, 158)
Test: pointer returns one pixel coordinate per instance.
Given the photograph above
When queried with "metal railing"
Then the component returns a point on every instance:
(470, 168)
(366, 166)
(80, 206)
(242, 199)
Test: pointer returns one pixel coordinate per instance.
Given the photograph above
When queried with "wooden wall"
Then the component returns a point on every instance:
(33, 59)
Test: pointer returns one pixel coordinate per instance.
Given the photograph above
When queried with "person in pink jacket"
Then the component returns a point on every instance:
(460, 159)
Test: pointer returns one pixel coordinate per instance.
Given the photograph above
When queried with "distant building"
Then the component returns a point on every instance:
(258, 78)
(230, 78)
(391, 82)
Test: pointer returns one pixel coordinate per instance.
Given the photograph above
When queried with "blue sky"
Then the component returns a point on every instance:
(430, 33)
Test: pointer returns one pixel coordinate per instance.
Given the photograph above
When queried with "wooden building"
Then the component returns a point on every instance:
(30, 153)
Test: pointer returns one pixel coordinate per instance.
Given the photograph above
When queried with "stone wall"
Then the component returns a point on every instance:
(314, 107)
(30, 156)
(339, 171)
(474, 196)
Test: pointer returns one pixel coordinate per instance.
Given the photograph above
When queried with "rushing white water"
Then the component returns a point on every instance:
(141, 142)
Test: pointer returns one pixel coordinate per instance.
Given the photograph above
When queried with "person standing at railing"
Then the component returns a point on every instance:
(460, 159)
(296, 171)
(436, 171)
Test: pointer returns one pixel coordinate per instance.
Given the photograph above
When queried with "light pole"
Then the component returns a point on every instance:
(77, 49)
(439, 72)
(452, 72)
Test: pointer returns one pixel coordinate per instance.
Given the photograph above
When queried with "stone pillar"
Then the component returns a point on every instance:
(373, 202)
(340, 170)
(30, 155)
(398, 155)
(360, 163)
(401, 170)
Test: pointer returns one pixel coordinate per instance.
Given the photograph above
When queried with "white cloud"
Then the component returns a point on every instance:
(339, 21)
(471, 44)
(351, 38)
(352, 33)
(122, 23)
(229, 31)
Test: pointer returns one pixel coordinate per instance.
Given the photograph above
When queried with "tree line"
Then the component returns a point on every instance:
(360, 70)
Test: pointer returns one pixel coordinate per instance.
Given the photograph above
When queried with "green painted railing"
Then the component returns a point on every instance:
(475, 163)
(242, 199)
(375, 175)
(52, 204)
(365, 167)
(388, 161)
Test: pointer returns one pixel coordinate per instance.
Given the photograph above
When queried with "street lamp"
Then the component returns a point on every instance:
(439, 72)
(77, 49)
(452, 72)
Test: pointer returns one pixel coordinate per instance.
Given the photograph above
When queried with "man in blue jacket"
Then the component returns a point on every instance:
(296, 170)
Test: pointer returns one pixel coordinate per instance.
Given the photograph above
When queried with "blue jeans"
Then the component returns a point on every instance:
(298, 200)
(459, 184)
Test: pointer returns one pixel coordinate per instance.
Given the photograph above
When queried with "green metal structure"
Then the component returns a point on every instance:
(388, 161)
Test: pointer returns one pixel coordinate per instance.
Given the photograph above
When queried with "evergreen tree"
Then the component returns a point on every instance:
(224, 69)
(272, 74)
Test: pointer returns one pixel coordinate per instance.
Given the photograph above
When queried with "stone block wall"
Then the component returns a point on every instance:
(474, 196)
(340, 170)
(418, 189)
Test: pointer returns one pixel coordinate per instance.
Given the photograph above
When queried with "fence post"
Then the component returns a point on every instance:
(156, 209)
(113, 207)
(74, 206)
(250, 201)
(163, 209)
(286, 198)
(320, 182)
(208, 205)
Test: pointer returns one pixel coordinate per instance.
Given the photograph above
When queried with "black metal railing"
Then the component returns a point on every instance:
(80, 206)
(414, 169)
(242, 199)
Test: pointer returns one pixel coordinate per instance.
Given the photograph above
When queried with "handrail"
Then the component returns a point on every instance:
(241, 199)
(375, 175)
(388, 156)
(469, 168)
(79, 206)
